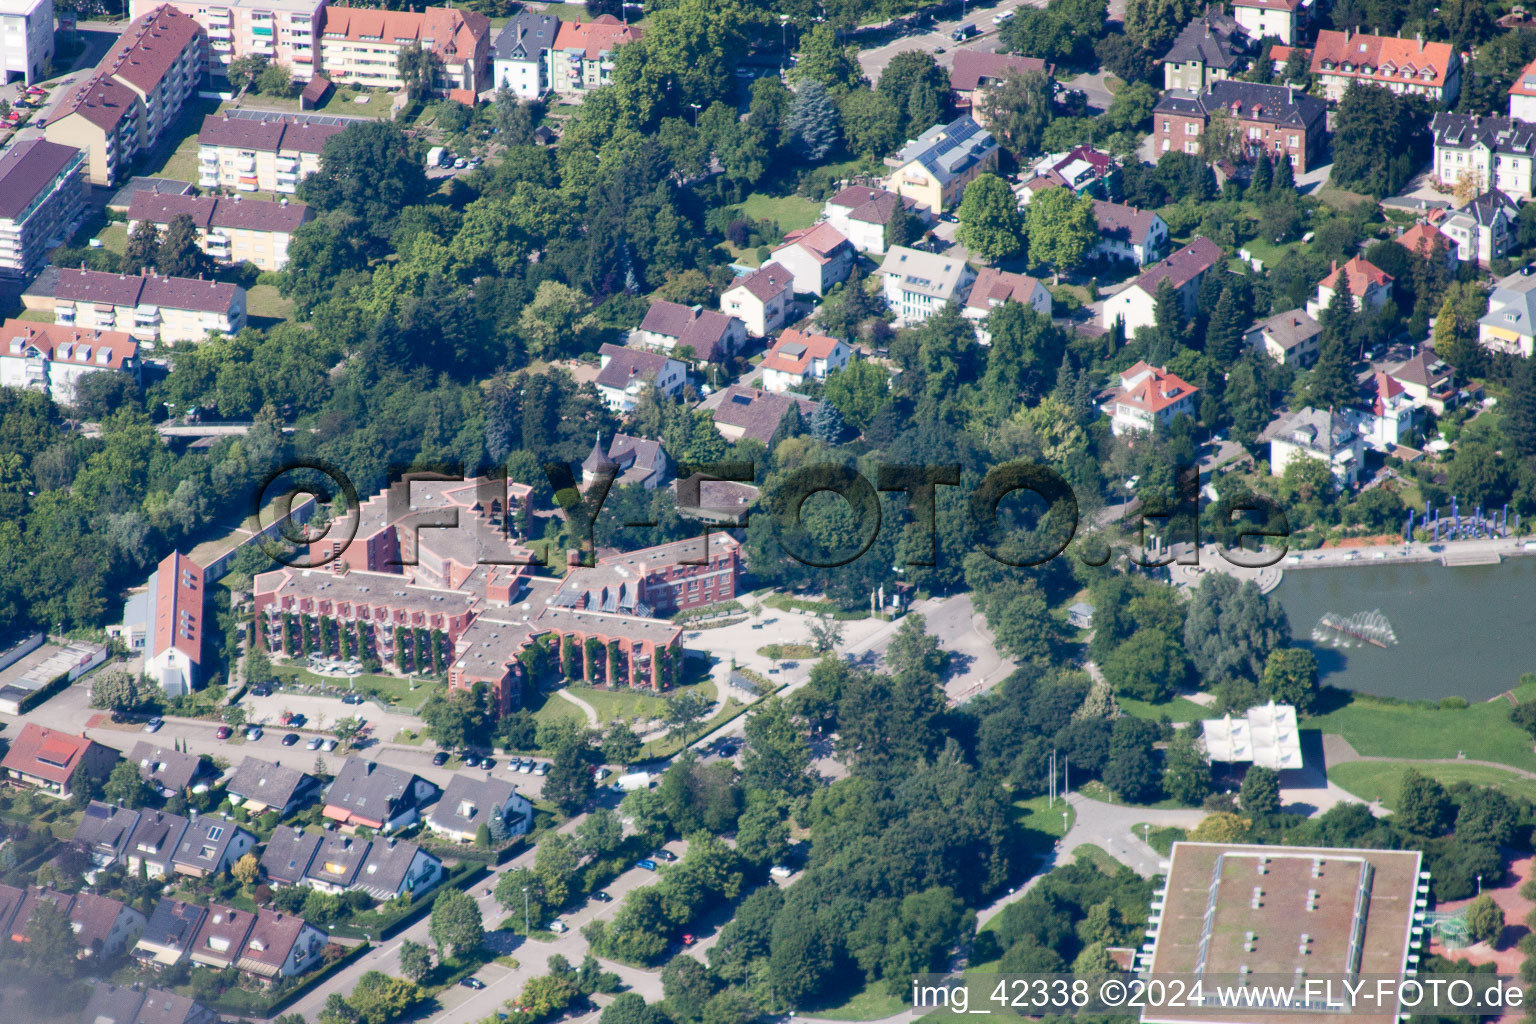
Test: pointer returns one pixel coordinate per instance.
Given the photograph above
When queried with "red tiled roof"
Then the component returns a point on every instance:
(150, 47)
(1386, 388)
(1157, 390)
(602, 34)
(1114, 218)
(147, 289)
(820, 240)
(26, 169)
(1358, 273)
(1421, 238)
(1389, 57)
(453, 34)
(179, 606)
(1269, 5)
(972, 67)
(207, 211)
(103, 101)
(1182, 267)
(769, 280)
(79, 345)
(45, 753)
(794, 351)
(627, 364)
(994, 287)
(268, 135)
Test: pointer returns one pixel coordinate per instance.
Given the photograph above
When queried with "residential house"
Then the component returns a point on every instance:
(817, 257)
(627, 372)
(1368, 285)
(632, 460)
(1429, 380)
(1148, 398)
(361, 46)
(1136, 304)
(1274, 19)
(51, 358)
(1425, 240)
(934, 168)
(290, 854)
(42, 194)
(135, 94)
(284, 32)
(265, 153)
(583, 54)
(1405, 66)
(210, 846)
(1484, 229)
(797, 357)
(231, 231)
(26, 40)
(1474, 153)
(1509, 326)
(46, 760)
(1083, 169)
(1389, 416)
(146, 306)
(170, 771)
(104, 831)
(280, 946)
(710, 336)
(468, 803)
(740, 411)
(1210, 48)
(862, 214)
(917, 284)
(1129, 233)
(336, 862)
(170, 934)
(103, 927)
(522, 58)
(975, 71)
(260, 786)
(1323, 435)
(1522, 95)
(11, 899)
(173, 649)
(221, 936)
(112, 1004)
(763, 299)
(1289, 338)
(395, 868)
(367, 794)
(154, 843)
(994, 287)
(1275, 119)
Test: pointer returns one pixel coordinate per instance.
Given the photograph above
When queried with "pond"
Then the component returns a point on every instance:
(1464, 631)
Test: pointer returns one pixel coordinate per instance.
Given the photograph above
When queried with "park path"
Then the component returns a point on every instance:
(586, 709)
(1337, 750)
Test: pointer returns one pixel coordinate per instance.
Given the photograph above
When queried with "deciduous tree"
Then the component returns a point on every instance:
(991, 226)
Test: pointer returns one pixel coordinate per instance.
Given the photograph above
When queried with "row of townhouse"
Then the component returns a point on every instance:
(264, 944)
(103, 927)
(336, 862)
(126, 105)
(283, 31)
(162, 844)
(132, 1004)
(146, 306)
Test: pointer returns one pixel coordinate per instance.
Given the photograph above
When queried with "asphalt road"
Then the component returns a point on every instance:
(874, 59)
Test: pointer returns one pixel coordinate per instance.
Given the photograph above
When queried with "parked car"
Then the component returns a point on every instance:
(487, 763)
(313, 744)
(470, 760)
(688, 939)
(526, 768)
(352, 698)
(542, 769)
(261, 690)
(460, 164)
(329, 745)
(154, 724)
(647, 864)
(557, 926)
(290, 739)
(1002, 17)
(439, 759)
(223, 732)
(666, 855)
(602, 897)
(474, 983)
(781, 871)
(253, 733)
(514, 764)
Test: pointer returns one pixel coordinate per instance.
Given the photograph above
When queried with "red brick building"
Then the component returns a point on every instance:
(1273, 119)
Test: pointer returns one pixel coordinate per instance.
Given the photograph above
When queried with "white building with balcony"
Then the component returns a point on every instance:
(285, 32)
(253, 151)
(42, 192)
(26, 39)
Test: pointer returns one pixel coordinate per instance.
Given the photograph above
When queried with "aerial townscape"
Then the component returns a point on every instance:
(730, 511)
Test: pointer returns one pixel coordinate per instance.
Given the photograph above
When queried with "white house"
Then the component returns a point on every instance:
(468, 803)
(26, 39)
(1522, 95)
(1279, 19)
(862, 214)
(1478, 153)
(1289, 338)
(994, 287)
(1509, 326)
(1135, 305)
(1129, 233)
(917, 284)
(51, 357)
(1148, 397)
(671, 326)
(1484, 229)
(521, 56)
(818, 257)
(627, 372)
(1323, 435)
(797, 357)
(762, 300)
(1390, 418)
(1369, 287)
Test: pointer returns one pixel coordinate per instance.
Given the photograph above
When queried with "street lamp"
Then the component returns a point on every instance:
(1479, 885)
(695, 107)
(527, 926)
(783, 41)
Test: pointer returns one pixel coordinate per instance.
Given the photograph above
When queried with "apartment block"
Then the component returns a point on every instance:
(51, 358)
(135, 94)
(362, 47)
(148, 307)
(26, 39)
(42, 191)
(583, 57)
(283, 31)
(270, 154)
(232, 230)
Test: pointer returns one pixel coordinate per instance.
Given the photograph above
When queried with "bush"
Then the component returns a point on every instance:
(1453, 704)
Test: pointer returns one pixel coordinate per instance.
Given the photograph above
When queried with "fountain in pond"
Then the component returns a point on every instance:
(1369, 627)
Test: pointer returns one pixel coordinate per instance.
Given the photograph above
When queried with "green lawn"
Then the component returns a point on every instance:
(1178, 709)
(866, 1004)
(1382, 780)
(1378, 728)
(547, 707)
(389, 689)
(1096, 790)
(114, 237)
(262, 302)
(1161, 839)
(618, 704)
(343, 101)
(788, 212)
